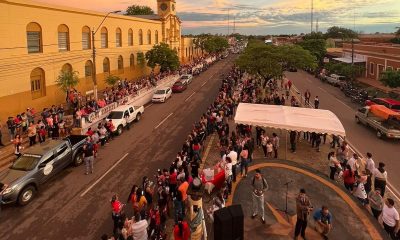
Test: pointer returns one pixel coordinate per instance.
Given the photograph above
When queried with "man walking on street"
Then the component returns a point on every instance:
(88, 153)
(260, 185)
(275, 143)
(307, 96)
(316, 102)
(303, 208)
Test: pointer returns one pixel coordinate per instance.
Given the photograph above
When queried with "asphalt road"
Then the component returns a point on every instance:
(360, 137)
(77, 206)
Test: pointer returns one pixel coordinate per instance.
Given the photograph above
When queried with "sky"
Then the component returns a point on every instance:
(263, 17)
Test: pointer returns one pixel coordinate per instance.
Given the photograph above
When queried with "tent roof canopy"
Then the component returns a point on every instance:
(289, 118)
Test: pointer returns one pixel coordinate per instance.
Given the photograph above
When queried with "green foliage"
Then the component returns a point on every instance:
(398, 31)
(391, 78)
(340, 32)
(162, 55)
(67, 80)
(210, 43)
(347, 70)
(215, 44)
(314, 35)
(141, 59)
(138, 10)
(269, 61)
(112, 79)
(316, 47)
(395, 40)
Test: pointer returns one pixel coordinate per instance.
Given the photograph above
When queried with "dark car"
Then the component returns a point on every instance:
(179, 87)
(37, 165)
(292, 69)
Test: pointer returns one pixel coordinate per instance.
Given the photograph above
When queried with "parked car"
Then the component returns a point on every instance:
(37, 165)
(387, 102)
(292, 69)
(381, 121)
(123, 115)
(335, 80)
(179, 87)
(162, 94)
(186, 79)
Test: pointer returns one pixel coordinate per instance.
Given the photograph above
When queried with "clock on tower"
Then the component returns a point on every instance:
(166, 7)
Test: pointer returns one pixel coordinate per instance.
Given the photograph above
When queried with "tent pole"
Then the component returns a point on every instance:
(286, 144)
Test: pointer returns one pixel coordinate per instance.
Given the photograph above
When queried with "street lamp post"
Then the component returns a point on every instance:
(94, 77)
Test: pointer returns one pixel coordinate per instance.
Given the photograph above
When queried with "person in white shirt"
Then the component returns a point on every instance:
(359, 190)
(353, 162)
(139, 228)
(380, 175)
(233, 155)
(228, 173)
(390, 218)
(264, 140)
(369, 168)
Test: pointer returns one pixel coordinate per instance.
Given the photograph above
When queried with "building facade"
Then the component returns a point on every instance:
(377, 57)
(39, 40)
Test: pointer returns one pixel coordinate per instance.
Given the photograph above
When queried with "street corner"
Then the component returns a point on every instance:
(284, 182)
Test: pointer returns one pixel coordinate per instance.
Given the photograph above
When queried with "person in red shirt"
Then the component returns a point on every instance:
(89, 132)
(172, 181)
(181, 230)
(349, 178)
(116, 207)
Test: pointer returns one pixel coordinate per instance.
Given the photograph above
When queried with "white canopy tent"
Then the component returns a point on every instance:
(289, 118)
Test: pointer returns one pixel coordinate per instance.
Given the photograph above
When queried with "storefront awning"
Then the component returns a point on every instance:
(289, 118)
(348, 60)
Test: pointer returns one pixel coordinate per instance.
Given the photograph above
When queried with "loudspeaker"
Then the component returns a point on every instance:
(237, 215)
(223, 224)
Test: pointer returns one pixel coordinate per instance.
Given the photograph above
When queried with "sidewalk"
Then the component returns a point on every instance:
(377, 84)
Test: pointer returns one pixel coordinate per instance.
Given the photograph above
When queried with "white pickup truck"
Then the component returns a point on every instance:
(123, 115)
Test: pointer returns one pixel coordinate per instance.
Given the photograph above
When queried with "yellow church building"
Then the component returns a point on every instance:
(38, 40)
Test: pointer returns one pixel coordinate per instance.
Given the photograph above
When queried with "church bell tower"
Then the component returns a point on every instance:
(166, 7)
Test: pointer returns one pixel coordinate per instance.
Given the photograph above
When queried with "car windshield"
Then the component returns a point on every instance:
(396, 107)
(115, 115)
(160, 92)
(185, 77)
(178, 84)
(26, 162)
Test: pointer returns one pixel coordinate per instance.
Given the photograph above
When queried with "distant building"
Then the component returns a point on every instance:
(377, 57)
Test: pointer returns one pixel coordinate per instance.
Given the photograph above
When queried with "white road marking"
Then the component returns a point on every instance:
(165, 119)
(189, 96)
(322, 89)
(151, 104)
(204, 83)
(108, 171)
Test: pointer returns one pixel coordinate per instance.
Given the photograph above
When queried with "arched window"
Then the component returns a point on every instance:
(132, 60)
(38, 83)
(130, 37)
(156, 37)
(148, 37)
(63, 38)
(88, 68)
(120, 64)
(34, 38)
(140, 37)
(118, 37)
(106, 65)
(67, 67)
(86, 43)
(104, 37)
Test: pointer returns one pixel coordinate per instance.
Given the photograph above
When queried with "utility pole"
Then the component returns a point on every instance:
(312, 15)
(94, 73)
(228, 21)
(234, 24)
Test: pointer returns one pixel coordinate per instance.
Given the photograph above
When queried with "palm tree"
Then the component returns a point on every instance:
(67, 80)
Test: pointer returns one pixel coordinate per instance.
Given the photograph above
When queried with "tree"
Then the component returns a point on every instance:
(390, 78)
(316, 47)
(398, 31)
(199, 41)
(112, 80)
(269, 61)
(215, 44)
(163, 56)
(340, 32)
(347, 70)
(138, 10)
(67, 80)
(314, 35)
